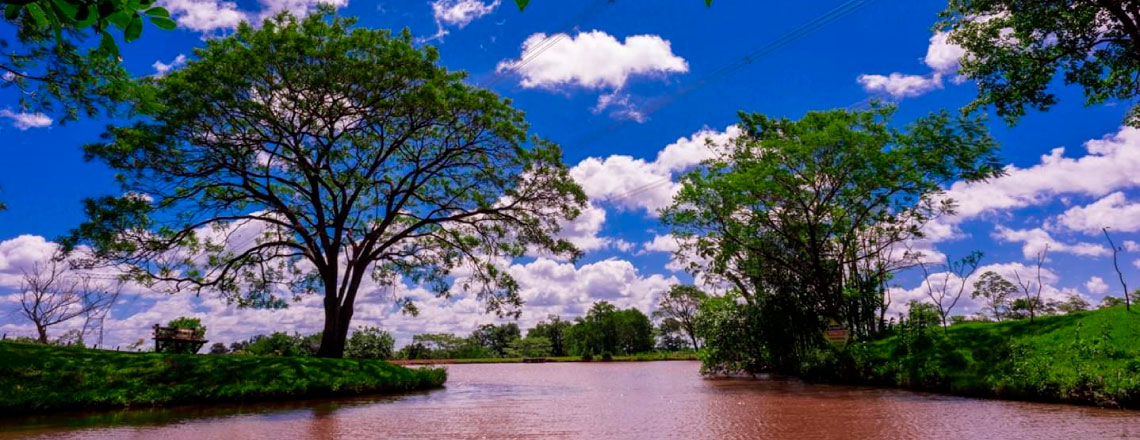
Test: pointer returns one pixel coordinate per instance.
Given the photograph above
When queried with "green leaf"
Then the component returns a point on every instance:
(12, 12)
(163, 22)
(37, 15)
(134, 29)
(158, 11)
(108, 44)
(66, 8)
(708, 2)
(87, 17)
(120, 19)
(522, 4)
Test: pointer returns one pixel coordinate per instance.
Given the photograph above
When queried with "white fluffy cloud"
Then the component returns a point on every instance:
(460, 13)
(161, 68)
(1113, 211)
(205, 15)
(594, 60)
(898, 85)
(1096, 285)
(24, 121)
(634, 183)
(1111, 164)
(210, 16)
(942, 59)
(1037, 240)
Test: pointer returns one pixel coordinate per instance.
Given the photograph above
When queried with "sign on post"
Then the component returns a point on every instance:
(836, 333)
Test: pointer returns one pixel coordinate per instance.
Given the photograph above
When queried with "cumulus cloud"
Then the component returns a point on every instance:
(942, 59)
(209, 16)
(1109, 165)
(1037, 240)
(1113, 211)
(24, 121)
(205, 15)
(634, 183)
(662, 243)
(1096, 285)
(161, 68)
(898, 85)
(594, 60)
(460, 13)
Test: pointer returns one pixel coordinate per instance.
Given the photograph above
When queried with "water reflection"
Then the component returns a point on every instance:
(618, 400)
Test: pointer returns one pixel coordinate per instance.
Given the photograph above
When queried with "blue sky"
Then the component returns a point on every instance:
(629, 80)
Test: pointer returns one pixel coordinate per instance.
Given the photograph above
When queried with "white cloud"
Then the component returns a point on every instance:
(898, 85)
(640, 184)
(942, 58)
(592, 60)
(24, 121)
(299, 8)
(209, 16)
(1131, 246)
(662, 243)
(1111, 164)
(1113, 211)
(205, 15)
(161, 68)
(460, 13)
(1037, 240)
(1096, 285)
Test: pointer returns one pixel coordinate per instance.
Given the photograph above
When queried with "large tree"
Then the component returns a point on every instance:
(307, 156)
(796, 215)
(1015, 49)
(678, 310)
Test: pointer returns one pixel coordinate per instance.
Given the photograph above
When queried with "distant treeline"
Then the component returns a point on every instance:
(603, 332)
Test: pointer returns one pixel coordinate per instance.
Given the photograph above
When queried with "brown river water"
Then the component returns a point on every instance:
(650, 400)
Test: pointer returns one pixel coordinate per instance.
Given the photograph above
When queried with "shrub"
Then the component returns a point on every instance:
(369, 343)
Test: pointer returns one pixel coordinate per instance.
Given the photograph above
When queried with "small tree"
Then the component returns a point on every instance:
(52, 294)
(1115, 265)
(369, 343)
(219, 348)
(187, 323)
(944, 296)
(1032, 303)
(997, 291)
(1073, 304)
(680, 305)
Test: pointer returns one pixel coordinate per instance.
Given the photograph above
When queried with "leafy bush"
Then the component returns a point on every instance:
(369, 343)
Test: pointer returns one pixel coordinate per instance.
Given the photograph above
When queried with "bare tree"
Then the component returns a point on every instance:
(52, 294)
(1115, 265)
(679, 308)
(1032, 296)
(944, 297)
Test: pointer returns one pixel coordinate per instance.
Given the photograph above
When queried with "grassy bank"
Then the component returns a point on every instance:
(1083, 358)
(640, 357)
(36, 378)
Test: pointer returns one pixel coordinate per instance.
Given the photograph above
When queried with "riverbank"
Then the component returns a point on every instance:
(36, 378)
(641, 357)
(1086, 358)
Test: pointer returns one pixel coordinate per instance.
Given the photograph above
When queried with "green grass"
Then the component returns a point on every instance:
(1084, 358)
(640, 357)
(36, 378)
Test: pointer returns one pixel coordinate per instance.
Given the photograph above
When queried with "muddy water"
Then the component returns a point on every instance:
(619, 400)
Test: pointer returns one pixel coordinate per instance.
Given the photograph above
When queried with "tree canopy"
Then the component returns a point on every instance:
(807, 218)
(1015, 49)
(307, 156)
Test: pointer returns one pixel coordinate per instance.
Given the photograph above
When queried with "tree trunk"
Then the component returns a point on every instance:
(338, 317)
(42, 330)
